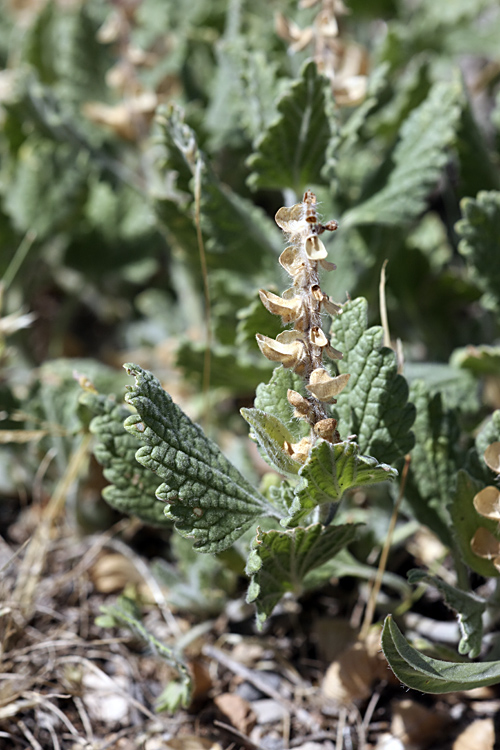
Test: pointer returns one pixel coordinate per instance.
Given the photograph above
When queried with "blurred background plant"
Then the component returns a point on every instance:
(145, 146)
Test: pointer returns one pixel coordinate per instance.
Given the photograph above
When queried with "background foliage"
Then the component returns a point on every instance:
(127, 132)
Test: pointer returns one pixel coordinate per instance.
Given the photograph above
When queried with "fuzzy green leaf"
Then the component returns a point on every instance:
(475, 464)
(468, 606)
(132, 488)
(194, 583)
(271, 434)
(252, 319)
(208, 498)
(271, 398)
(419, 157)
(430, 675)
(229, 368)
(331, 470)
(434, 461)
(243, 75)
(374, 405)
(479, 360)
(344, 565)
(458, 388)
(46, 192)
(480, 244)
(126, 613)
(280, 560)
(291, 152)
(489, 433)
(226, 217)
(466, 521)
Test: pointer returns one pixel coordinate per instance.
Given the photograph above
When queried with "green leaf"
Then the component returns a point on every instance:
(479, 360)
(195, 584)
(227, 218)
(132, 488)
(412, 88)
(435, 459)
(374, 405)
(419, 157)
(271, 434)
(430, 675)
(331, 470)
(457, 387)
(291, 152)
(480, 244)
(208, 498)
(280, 560)
(468, 606)
(489, 433)
(229, 368)
(177, 694)
(345, 564)
(478, 170)
(271, 398)
(63, 48)
(243, 75)
(475, 463)
(126, 613)
(466, 521)
(252, 319)
(48, 188)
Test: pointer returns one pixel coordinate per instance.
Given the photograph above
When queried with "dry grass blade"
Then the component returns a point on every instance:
(34, 560)
(372, 601)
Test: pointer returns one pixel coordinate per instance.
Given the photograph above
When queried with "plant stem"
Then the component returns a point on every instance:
(206, 288)
(18, 259)
(372, 601)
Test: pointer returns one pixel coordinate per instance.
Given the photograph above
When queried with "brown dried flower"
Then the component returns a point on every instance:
(302, 348)
(343, 62)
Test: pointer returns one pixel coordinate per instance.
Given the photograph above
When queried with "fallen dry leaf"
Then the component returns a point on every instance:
(191, 742)
(105, 697)
(237, 711)
(202, 682)
(351, 676)
(112, 572)
(415, 725)
(480, 735)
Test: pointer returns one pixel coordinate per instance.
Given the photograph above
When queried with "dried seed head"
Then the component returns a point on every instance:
(289, 354)
(327, 265)
(487, 503)
(289, 309)
(317, 337)
(317, 293)
(302, 409)
(297, 401)
(290, 219)
(303, 304)
(299, 451)
(324, 387)
(492, 457)
(333, 353)
(314, 248)
(288, 337)
(291, 261)
(485, 545)
(329, 306)
(327, 429)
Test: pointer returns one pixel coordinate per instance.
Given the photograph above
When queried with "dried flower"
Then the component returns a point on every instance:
(303, 304)
(487, 546)
(487, 503)
(344, 63)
